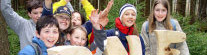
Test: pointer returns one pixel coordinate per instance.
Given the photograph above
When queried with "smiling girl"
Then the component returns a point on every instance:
(160, 19)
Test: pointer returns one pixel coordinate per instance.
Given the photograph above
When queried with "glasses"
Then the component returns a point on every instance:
(63, 17)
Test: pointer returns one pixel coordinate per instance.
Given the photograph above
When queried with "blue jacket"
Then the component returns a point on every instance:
(123, 31)
(29, 50)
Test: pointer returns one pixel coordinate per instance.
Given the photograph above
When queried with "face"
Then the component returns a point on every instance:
(63, 21)
(78, 39)
(128, 18)
(160, 12)
(76, 19)
(35, 14)
(49, 35)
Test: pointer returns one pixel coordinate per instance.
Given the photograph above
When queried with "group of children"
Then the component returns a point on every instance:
(56, 24)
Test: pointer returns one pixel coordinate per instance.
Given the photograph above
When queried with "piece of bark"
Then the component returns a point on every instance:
(114, 47)
(69, 50)
(165, 38)
(135, 47)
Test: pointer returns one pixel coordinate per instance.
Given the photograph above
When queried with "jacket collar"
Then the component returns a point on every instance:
(40, 43)
(123, 29)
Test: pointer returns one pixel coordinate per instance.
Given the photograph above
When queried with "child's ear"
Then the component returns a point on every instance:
(29, 14)
(68, 36)
(36, 32)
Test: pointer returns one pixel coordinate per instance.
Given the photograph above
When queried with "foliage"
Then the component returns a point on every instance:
(196, 40)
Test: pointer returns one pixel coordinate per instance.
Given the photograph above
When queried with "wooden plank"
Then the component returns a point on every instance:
(69, 50)
(165, 38)
(114, 47)
(135, 47)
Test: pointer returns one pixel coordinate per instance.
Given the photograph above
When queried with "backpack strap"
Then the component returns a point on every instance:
(37, 49)
(173, 24)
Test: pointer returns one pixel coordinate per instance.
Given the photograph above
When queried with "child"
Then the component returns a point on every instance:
(125, 25)
(160, 19)
(77, 19)
(77, 36)
(24, 28)
(47, 34)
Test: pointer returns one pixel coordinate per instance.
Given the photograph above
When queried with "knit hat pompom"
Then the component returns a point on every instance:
(125, 7)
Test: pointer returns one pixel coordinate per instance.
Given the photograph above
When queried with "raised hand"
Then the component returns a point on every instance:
(95, 19)
(107, 9)
(48, 4)
(104, 16)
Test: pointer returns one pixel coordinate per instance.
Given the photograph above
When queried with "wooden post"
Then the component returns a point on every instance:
(174, 6)
(187, 9)
(69, 50)
(135, 47)
(114, 47)
(4, 41)
(165, 38)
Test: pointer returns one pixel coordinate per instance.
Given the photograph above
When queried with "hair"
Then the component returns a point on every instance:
(135, 30)
(83, 20)
(77, 27)
(152, 19)
(70, 25)
(33, 4)
(45, 21)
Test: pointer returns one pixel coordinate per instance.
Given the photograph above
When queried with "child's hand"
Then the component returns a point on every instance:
(48, 4)
(104, 16)
(95, 19)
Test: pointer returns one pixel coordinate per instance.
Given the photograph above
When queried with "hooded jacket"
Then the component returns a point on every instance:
(29, 50)
(24, 28)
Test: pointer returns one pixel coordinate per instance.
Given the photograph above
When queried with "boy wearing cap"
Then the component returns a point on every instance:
(124, 26)
(24, 28)
(47, 34)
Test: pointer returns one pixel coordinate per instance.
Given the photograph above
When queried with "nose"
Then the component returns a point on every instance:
(39, 15)
(79, 42)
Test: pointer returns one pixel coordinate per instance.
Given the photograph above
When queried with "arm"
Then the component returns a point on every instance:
(47, 8)
(183, 47)
(145, 38)
(13, 20)
(70, 6)
(88, 8)
(58, 4)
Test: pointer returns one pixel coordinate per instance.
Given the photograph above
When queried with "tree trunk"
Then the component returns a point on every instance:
(4, 41)
(187, 9)
(147, 10)
(180, 5)
(174, 6)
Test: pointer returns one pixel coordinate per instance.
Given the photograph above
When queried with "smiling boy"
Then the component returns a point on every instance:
(47, 34)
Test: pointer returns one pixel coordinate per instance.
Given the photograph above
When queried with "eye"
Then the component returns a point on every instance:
(133, 14)
(77, 37)
(35, 13)
(55, 32)
(46, 31)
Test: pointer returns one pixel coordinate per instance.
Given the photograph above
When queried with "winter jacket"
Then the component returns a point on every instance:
(24, 28)
(29, 50)
(101, 35)
(151, 40)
